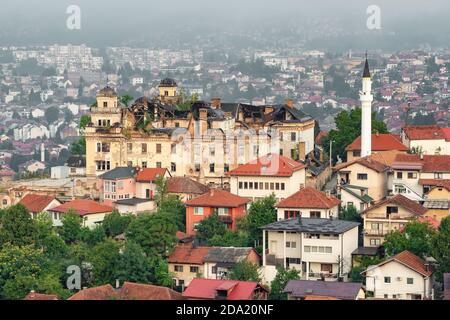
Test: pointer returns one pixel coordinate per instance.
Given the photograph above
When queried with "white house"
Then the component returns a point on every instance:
(404, 276)
(308, 203)
(269, 174)
(318, 248)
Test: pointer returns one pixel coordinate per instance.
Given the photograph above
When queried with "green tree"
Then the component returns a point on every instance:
(104, 258)
(126, 99)
(161, 274)
(52, 114)
(17, 227)
(416, 237)
(133, 264)
(261, 213)
(161, 190)
(440, 249)
(245, 271)
(71, 229)
(280, 281)
(348, 128)
(210, 227)
(174, 207)
(230, 239)
(115, 224)
(155, 233)
(350, 213)
(93, 236)
(23, 269)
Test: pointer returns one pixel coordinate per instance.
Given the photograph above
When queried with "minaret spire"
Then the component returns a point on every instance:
(366, 98)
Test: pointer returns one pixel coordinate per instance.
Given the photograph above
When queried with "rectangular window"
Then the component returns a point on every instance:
(267, 186)
(245, 185)
(173, 148)
(277, 186)
(410, 280)
(197, 167)
(107, 186)
(375, 242)
(282, 186)
(390, 210)
(144, 164)
(223, 211)
(113, 186)
(144, 148)
(173, 167)
(362, 176)
(438, 175)
(241, 185)
(307, 248)
(314, 214)
(212, 168)
(212, 151)
(412, 175)
(129, 147)
(158, 164)
(387, 279)
(178, 268)
(399, 175)
(291, 244)
(326, 267)
(226, 167)
(261, 186)
(198, 211)
(293, 136)
(158, 148)
(194, 269)
(272, 186)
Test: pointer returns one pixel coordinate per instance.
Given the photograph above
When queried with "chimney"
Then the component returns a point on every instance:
(289, 103)
(216, 103)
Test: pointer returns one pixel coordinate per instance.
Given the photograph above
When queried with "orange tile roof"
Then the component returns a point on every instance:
(380, 142)
(374, 162)
(431, 221)
(412, 261)
(83, 207)
(428, 163)
(185, 185)
(189, 255)
(309, 198)
(36, 203)
(150, 174)
(139, 291)
(402, 201)
(431, 132)
(271, 165)
(105, 292)
(218, 198)
(207, 289)
(446, 133)
(40, 296)
(322, 134)
(444, 183)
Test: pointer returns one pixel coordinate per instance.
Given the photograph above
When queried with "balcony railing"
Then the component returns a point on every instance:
(324, 275)
(376, 232)
(105, 110)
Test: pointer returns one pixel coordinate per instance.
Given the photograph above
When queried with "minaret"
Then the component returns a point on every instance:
(366, 98)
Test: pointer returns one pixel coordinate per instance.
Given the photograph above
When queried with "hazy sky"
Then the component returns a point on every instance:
(108, 22)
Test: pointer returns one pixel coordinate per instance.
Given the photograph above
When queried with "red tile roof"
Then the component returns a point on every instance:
(433, 132)
(138, 291)
(218, 198)
(428, 163)
(40, 296)
(206, 289)
(36, 203)
(150, 174)
(189, 255)
(380, 142)
(271, 165)
(431, 221)
(83, 207)
(185, 185)
(446, 133)
(309, 198)
(413, 262)
(105, 292)
(322, 134)
(444, 183)
(402, 201)
(374, 162)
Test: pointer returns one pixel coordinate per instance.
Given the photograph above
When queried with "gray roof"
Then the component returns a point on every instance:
(437, 204)
(119, 173)
(132, 201)
(339, 290)
(367, 251)
(312, 225)
(227, 254)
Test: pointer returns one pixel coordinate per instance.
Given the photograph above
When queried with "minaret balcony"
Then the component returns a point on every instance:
(105, 110)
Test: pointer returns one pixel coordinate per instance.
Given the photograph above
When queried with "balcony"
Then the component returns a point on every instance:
(376, 232)
(324, 275)
(105, 110)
